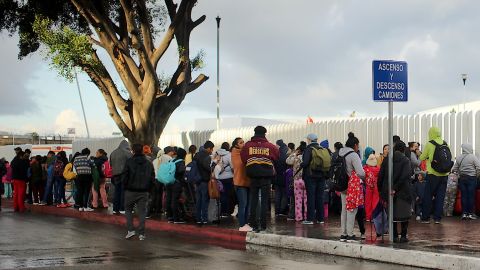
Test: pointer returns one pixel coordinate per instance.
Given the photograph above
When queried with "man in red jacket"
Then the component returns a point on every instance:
(258, 155)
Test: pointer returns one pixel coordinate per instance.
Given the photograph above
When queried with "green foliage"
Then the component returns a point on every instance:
(65, 48)
(198, 62)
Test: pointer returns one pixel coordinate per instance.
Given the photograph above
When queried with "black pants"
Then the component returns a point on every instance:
(360, 217)
(84, 186)
(259, 186)
(155, 199)
(404, 228)
(173, 195)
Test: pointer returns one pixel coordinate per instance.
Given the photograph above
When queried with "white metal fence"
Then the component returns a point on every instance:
(457, 128)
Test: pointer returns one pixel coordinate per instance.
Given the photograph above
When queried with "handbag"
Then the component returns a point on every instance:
(213, 191)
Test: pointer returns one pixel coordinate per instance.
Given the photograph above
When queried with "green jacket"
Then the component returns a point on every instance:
(433, 134)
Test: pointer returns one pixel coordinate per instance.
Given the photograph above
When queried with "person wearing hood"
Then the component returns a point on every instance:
(401, 190)
(259, 155)
(192, 150)
(224, 173)
(174, 191)
(314, 183)
(435, 182)
(59, 180)
(19, 167)
(156, 194)
(204, 162)
(242, 184)
(118, 158)
(137, 177)
(100, 158)
(467, 166)
(325, 144)
(281, 200)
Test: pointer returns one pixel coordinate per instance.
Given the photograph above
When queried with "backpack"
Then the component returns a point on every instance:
(95, 177)
(58, 168)
(321, 161)
(442, 158)
(192, 173)
(68, 172)
(338, 173)
(166, 172)
(107, 169)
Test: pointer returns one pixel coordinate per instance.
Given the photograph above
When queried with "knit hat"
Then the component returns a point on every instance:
(280, 142)
(312, 137)
(372, 160)
(260, 131)
(325, 144)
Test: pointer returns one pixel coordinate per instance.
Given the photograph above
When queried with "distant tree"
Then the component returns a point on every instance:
(134, 34)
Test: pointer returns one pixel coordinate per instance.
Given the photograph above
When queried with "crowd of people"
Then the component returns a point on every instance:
(309, 182)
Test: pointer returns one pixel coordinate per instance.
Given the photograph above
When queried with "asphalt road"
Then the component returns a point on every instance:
(47, 242)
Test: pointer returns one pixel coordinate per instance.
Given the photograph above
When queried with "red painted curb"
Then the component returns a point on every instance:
(226, 237)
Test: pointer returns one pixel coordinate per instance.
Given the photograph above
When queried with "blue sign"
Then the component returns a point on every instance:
(390, 81)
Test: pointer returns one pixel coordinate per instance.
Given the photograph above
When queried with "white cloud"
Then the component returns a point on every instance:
(426, 47)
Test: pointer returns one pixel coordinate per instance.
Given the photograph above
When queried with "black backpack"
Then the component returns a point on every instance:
(338, 173)
(442, 158)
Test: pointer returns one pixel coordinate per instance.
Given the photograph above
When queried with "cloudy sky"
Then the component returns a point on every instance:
(279, 59)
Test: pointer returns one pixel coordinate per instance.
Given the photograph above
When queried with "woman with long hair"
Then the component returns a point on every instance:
(241, 183)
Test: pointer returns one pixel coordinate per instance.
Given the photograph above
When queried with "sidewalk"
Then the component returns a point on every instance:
(454, 244)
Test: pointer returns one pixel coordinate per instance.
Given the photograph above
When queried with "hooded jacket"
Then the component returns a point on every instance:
(240, 178)
(138, 174)
(119, 157)
(352, 162)
(306, 159)
(19, 169)
(401, 178)
(204, 163)
(436, 135)
(99, 164)
(467, 163)
(225, 171)
(161, 158)
(281, 163)
(259, 155)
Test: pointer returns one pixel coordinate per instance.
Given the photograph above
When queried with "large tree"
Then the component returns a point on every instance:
(134, 35)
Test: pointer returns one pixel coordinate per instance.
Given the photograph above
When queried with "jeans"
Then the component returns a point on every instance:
(226, 197)
(468, 186)
(155, 199)
(60, 183)
(119, 196)
(202, 202)
(8, 190)
(315, 189)
(85, 182)
(174, 191)
(140, 199)
(435, 186)
(243, 203)
(47, 196)
(280, 200)
(347, 219)
(264, 191)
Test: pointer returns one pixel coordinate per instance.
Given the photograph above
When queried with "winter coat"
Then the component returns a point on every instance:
(372, 197)
(138, 174)
(99, 164)
(295, 160)
(240, 178)
(83, 165)
(19, 169)
(119, 157)
(180, 171)
(224, 170)
(307, 159)
(352, 162)
(281, 164)
(259, 155)
(37, 172)
(7, 178)
(433, 134)
(467, 163)
(204, 163)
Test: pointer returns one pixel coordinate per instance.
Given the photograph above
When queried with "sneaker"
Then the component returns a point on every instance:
(437, 222)
(343, 238)
(88, 209)
(472, 217)
(205, 222)
(362, 236)
(130, 234)
(321, 222)
(122, 212)
(403, 240)
(35, 203)
(246, 228)
(352, 239)
(306, 222)
(170, 220)
(290, 219)
(396, 240)
(425, 221)
(141, 237)
(465, 217)
(180, 221)
(148, 217)
(42, 203)
(199, 223)
(80, 209)
(418, 218)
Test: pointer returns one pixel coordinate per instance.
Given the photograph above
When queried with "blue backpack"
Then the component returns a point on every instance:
(166, 172)
(192, 174)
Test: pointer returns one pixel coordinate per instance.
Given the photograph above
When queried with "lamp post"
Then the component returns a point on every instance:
(218, 72)
(81, 102)
(464, 79)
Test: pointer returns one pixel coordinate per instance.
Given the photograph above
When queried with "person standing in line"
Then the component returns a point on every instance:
(177, 186)
(156, 194)
(295, 160)
(7, 180)
(101, 157)
(37, 179)
(353, 164)
(83, 166)
(242, 184)
(224, 173)
(259, 155)
(467, 166)
(19, 167)
(118, 159)
(191, 153)
(436, 181)
(281, 201)
(137, 177)
(203, 160)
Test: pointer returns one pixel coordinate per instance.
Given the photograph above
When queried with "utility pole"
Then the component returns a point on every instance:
(218, 72)
(81, 102)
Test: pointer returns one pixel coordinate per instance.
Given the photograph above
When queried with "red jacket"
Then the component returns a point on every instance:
(258, 155)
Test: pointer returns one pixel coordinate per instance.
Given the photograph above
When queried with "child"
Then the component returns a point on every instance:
(371, 177)
(7, 181)
(419, 191)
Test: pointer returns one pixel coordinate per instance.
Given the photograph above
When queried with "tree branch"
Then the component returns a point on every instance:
(145, 27)
(197, 22)
(163, 46)
(196, 83)
(95, 42)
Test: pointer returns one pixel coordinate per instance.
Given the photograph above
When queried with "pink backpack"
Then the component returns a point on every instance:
(107, 169)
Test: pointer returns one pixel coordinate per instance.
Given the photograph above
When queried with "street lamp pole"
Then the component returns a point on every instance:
(464, 79)
(218, 72)
(81, 102)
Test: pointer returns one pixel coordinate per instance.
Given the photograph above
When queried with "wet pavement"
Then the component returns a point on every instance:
(47, 242)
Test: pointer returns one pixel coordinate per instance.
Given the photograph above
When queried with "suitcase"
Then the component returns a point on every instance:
(450, 195)
(214, 210)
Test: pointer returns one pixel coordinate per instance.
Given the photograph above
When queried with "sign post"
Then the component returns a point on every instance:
(390, 84)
